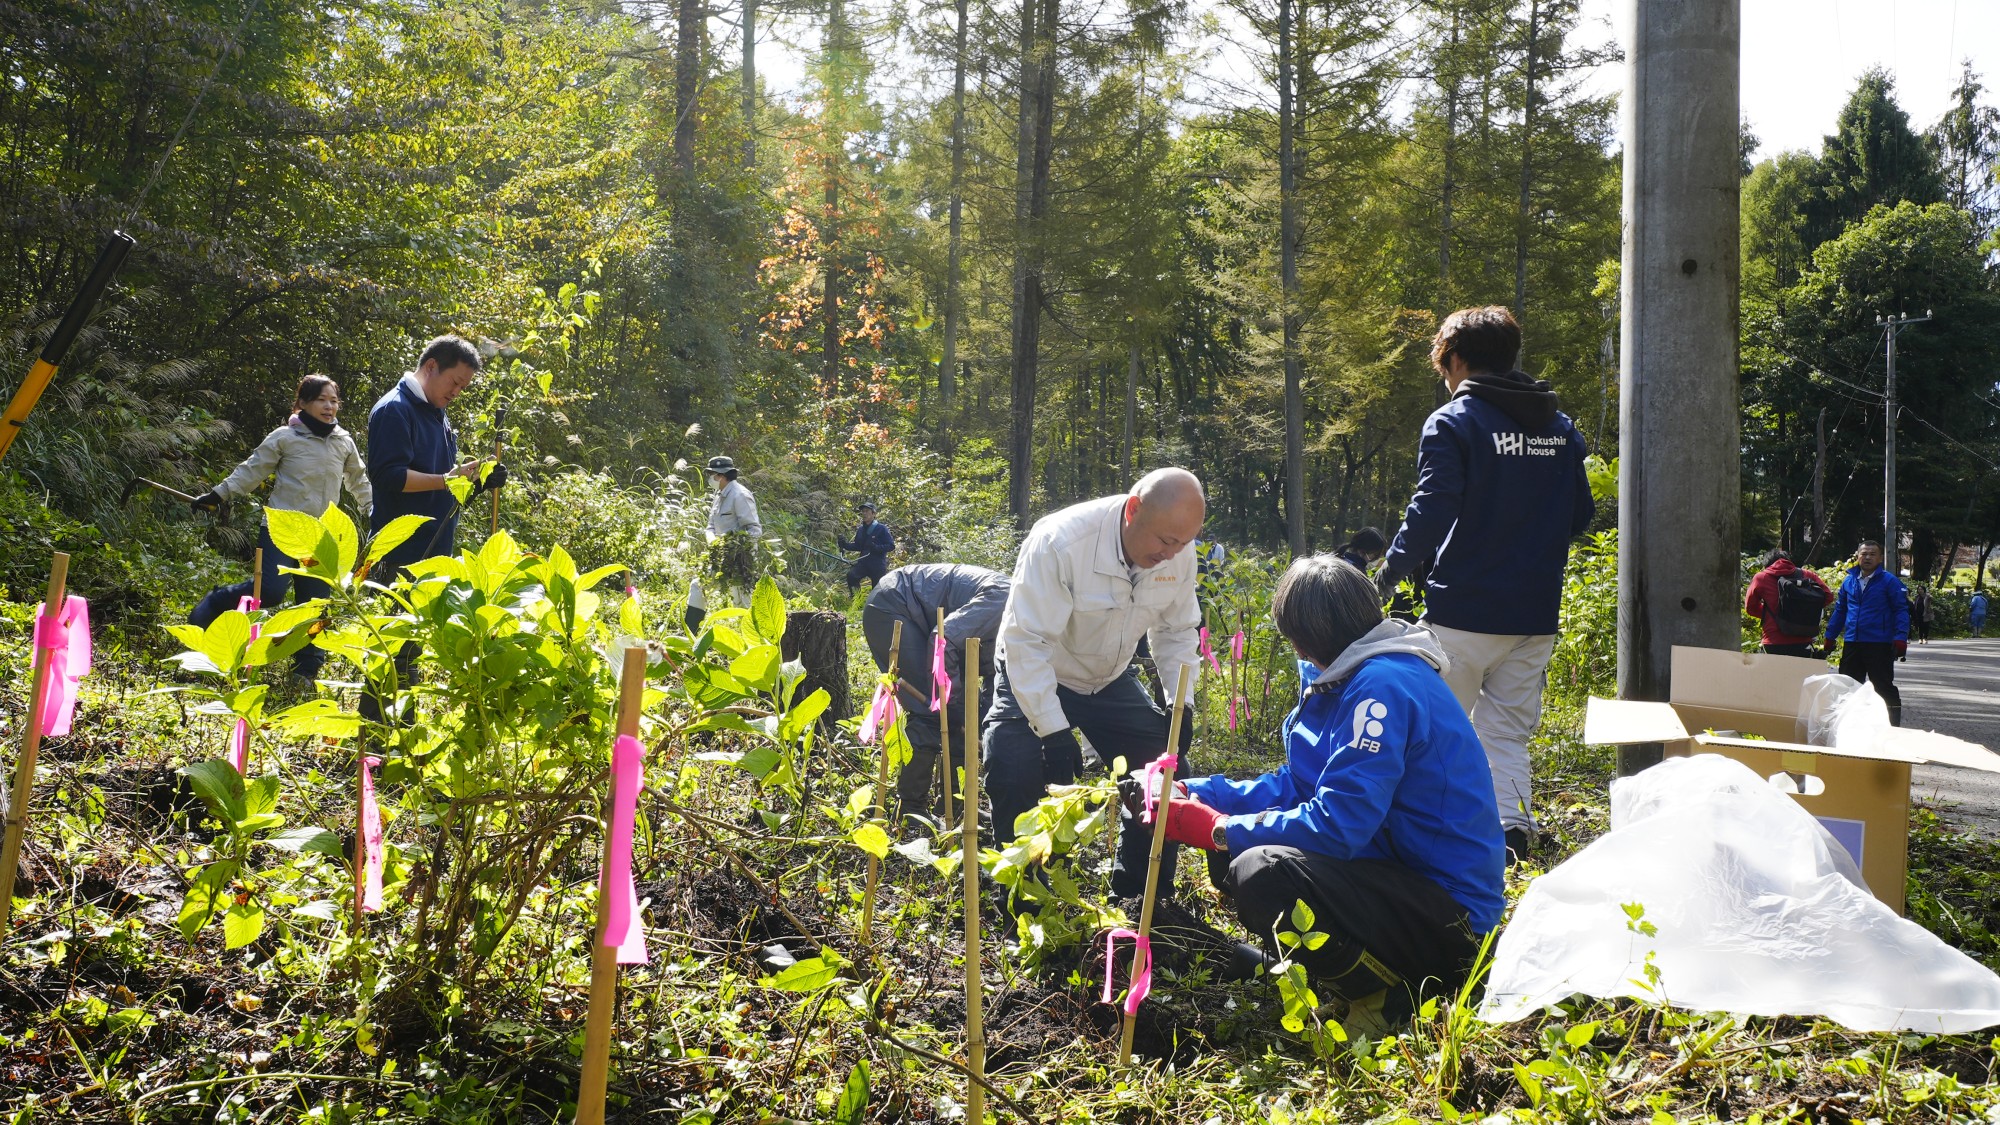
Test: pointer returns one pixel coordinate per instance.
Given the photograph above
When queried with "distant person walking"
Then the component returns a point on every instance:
(1978, 612)
(733, 510)
(1790, 601)
(874, 542)
(1871, 623)
(1920, 613)
(308, 459)
(1501, 491)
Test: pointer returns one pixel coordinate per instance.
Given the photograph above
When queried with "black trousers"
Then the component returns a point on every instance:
(1121, 720)
(870, 567)
(921, 725)
(1874, 662)
(1387, 926)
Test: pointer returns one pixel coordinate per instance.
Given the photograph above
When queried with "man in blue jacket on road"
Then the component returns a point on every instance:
(1382, 819)
(1871, 623)
(1501, 491)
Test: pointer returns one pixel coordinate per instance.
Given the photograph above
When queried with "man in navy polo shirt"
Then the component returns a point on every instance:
(1501, 491)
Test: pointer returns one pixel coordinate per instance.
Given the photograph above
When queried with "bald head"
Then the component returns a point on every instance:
(1162, 516)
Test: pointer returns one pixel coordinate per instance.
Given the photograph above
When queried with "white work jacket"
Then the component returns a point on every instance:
(1076, 612)
(734, 510)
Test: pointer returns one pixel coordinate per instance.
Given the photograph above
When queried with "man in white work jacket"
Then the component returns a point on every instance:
(1091, 580)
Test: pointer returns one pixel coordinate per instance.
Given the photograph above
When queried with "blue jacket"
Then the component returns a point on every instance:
(1880, 613)
(872, 538)
(1501, 491)
(1382, 766)
(406, 433)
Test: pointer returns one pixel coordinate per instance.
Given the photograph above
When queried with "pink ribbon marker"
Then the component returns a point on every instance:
(1149, 780)
(940, 677)
(369, 892)
(1236, 647)
(1142, 979)
(66, 639)
(239, 739)
(1208, 651)
(1232, 710)
(882, 713)
(623, 930)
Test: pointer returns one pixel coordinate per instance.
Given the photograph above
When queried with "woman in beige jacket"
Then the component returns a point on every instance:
(308, 460)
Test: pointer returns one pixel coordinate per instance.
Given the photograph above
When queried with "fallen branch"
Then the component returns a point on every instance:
(878, 1027)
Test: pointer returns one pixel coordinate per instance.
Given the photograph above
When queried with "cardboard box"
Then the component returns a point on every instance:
(1862, 796)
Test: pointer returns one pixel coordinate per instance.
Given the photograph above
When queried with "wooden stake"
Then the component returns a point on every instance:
(944, 736)
(31, 747)
(603, 959)
(975, 1015)
(499, 420)
(256, 577)
(1153, 862)
(882, 786)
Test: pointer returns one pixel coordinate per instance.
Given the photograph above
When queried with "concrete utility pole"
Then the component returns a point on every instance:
(1892, 547)
(1678, 497)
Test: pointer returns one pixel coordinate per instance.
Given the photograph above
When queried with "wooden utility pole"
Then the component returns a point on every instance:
(1679, 514)
(1891, 543)
(1819, 482)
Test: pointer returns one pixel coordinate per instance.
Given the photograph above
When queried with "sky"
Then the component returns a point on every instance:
(1800, 59)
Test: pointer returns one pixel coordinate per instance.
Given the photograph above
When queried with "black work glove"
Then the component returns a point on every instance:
(1062, 746)
(493, 482)
(1386, 581)
(206, 502)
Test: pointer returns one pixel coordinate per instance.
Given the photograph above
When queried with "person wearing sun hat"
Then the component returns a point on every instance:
(733, 510)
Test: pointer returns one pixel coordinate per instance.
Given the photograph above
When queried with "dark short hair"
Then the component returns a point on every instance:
(450, 352)
(1368, 541)
(1875, 543)
(1773, 555)
(313, 386)
(1487, 338)
(1324, 605)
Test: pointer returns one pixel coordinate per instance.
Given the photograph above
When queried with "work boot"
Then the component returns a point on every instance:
(1517, 846)
(1244, 961)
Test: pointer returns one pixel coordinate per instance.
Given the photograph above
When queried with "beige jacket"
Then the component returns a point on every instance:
(734, 509)
(1076, 612)
(309, 471)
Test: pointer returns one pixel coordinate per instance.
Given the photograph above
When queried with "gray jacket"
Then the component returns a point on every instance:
(972, 598)
(735, 510)
(309, 471)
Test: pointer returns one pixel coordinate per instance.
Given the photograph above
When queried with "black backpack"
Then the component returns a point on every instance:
(1801, 605)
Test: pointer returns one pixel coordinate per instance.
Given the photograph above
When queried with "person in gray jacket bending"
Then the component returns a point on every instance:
(972, 599)
(308, 460)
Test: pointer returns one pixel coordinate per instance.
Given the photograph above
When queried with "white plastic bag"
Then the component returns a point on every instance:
(1838, 711)
(1756, 909)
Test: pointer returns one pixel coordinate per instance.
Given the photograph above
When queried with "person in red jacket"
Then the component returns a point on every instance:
(1791, 623)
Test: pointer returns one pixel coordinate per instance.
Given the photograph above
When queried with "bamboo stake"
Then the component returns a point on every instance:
(944, 735)
(31, 747)
(1153, 862)
(882, 788)
(975, 1015)
(603, 959)
(499, 420)
(257, 577)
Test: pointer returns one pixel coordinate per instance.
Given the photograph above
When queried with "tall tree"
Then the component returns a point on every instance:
(1032, 153)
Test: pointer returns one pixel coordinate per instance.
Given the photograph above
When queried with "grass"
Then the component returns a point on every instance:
(107, 1013)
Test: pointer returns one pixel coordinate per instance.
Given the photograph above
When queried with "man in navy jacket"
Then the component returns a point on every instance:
(1871, 623)
(874, 542)
(412, 456)
(1381, 819)
(1501, 491)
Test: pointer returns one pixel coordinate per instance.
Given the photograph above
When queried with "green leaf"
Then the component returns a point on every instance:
(809, 975)
(631, 617)
(346, 541)
(325, 910)
(227, 636)
(852, 1108)
(871, 839)
(1580, 1034)
(1302, 917)
(760, 761)
(394, 535)
(243, 924)
(206, 895)
(758, 667)
(586, 581)
(260, 795)
(767, 610)
(219, 786)
(295, 533)
(292, 616)
(316, 718)
(804, 713)
(308, 839)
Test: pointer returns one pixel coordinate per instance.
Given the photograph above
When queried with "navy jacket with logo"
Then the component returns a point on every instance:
(406, 433)
(1501, 491)
(1879, 613)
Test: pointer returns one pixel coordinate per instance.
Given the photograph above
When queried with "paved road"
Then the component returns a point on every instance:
(1954, 687)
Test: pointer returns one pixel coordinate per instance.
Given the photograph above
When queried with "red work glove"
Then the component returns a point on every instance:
(1902, 649)
(1192, 823)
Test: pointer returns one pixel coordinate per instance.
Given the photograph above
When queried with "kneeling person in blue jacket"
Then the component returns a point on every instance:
(1382, 820)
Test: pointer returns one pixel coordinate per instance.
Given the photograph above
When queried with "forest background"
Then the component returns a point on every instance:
(1019, 281)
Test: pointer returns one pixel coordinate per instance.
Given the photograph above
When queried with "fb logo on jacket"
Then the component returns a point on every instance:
(1367, 725)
